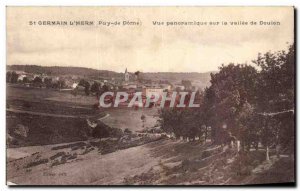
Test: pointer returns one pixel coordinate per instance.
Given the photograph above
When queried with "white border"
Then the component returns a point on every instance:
(5, 3)
(151, 3)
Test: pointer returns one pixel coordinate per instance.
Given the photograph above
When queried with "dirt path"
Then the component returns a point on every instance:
(19, 152)
(44, 114)
(101, 169)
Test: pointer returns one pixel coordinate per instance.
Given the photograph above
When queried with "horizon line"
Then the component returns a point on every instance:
(102, 69)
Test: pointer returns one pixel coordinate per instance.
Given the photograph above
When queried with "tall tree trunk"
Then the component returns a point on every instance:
(256, 146)
(248, 146)
(277, 150)
(242, 145)
(267, 154)
(238, 143)
(205, 134)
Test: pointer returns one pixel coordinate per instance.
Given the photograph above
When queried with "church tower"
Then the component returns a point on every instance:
(126, 76)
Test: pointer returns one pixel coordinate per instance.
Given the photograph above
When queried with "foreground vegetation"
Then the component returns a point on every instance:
(248, 105)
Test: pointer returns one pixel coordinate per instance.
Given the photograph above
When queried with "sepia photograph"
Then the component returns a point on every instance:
(150, 96)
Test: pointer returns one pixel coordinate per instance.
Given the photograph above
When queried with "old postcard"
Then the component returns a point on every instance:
(150, 96)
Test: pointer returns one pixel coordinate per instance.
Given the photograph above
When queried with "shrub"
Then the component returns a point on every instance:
(127, 131)
(74, 156)
(59, 154)
(87, 150)
(103, 131)
(35, 163)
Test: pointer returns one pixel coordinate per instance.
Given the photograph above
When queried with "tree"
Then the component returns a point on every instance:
(170, 120)
(48, 82)
(104, 88)
(276, 97)
(61, 83)
(207, 111)
(143, 118)
(25, 80)
(233, 91)
(86, 86)
(14, 77)
(183, 122)
(87, 89)
(37, 81)
(95, 87)
(243, 103)
(187, 84)
(8, 76)
(137, 75)
(74, 92)
(276, 82)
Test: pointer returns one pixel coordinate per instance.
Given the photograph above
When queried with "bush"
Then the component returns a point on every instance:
(59, 154)
(87, 150)
(35, 163)
(55, 163)
(74, 156)
(103, 131)
(127, 131)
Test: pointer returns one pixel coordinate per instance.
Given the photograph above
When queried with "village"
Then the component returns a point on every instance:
(130, 83)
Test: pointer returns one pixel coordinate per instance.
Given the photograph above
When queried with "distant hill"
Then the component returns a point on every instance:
(199, 79)
(177, 76)
(63, 70)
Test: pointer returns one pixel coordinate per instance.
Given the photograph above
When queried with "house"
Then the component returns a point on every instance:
(167, 87)
(130, 86)
(74, 85)
(149, 91)
(179, 87)
(21, 77)
(19, 72)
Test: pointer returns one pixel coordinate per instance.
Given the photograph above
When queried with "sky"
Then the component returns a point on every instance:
(145, 47)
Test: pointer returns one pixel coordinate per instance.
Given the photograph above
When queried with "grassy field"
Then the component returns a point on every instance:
(52, 117)
(29, 94)
(28, 130)
(33, 119)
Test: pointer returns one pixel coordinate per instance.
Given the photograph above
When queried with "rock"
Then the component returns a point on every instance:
(21, 130)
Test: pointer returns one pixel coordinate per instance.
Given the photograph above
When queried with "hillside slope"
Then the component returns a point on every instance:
(163, 162)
